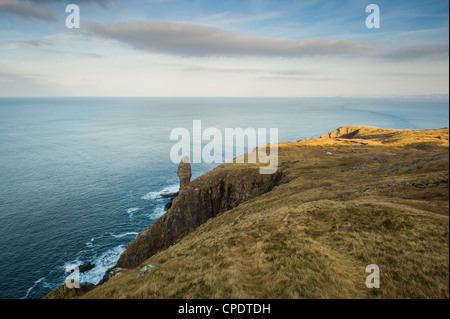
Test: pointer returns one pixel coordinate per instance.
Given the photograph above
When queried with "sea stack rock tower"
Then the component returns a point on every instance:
(184, 171)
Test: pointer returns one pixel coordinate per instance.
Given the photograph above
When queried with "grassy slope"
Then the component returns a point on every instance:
(383, 203)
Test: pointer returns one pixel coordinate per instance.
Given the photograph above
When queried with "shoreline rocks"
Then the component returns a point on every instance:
(171, 197)
(86, 267)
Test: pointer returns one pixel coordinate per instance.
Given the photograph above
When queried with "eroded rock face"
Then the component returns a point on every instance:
(204, 198)
(342, 132)
(184, 171)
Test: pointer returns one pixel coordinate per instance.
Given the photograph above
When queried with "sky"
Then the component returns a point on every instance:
(228, 48)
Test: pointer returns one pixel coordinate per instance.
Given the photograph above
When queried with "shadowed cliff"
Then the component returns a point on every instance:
(197, 202)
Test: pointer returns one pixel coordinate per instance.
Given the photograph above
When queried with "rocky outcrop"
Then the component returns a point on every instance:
(146, 269)
(83, 268)
(106, 276)
(86, 267)
(62, 292)
(204, 198)
(168, 206)
(171, 197)
(342, 132)
(184, 171)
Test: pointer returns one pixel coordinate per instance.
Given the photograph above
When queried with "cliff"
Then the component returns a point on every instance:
(197, 202)
(354, 197)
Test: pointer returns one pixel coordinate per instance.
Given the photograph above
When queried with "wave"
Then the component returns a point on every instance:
(90, 243)
(68, 266)
(157, 212)
(103, 262)
(108, 259)
(123, 235)
(132, 210)
(168, 190)
(32, 287)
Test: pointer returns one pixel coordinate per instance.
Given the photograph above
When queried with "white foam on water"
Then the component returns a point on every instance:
(68, 266)
(123, 235)
(109, 258)
(132, 210)
(32, 287)
(48, 285)
(157, 212)
(168, 190)
(102, 262)
(90, 243)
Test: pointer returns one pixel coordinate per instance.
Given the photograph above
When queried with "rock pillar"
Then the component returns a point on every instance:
(184, 171)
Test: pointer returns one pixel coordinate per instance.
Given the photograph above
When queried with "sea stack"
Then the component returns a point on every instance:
(184, 171)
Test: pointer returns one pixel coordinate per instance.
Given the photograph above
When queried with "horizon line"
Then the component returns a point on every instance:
(437, 95)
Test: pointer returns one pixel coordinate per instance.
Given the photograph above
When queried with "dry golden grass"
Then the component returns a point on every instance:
(384, 203)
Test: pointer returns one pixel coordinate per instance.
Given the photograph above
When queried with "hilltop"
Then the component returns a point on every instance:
(356, 196)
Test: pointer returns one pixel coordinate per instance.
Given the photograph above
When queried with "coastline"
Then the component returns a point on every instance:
(167, 230)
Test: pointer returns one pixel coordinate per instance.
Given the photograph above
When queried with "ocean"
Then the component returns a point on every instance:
(80, 177)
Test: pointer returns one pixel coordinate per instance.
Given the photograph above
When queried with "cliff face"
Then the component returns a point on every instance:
(204, 198)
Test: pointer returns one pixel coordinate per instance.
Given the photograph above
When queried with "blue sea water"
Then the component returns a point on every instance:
(79, 177)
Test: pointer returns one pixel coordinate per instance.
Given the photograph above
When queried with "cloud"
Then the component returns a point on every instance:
(16, 84)
(42, 44)
(220, 69)
(198, 41)
(296, 77)
(265, 74)
(416, 52)
(27, 9)
(99, 2)
(15, 77)
(302, 75)
(8, 77)
(29, 43)
(37, 9)
(75, 54)
(294, 74)
(189, 40)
